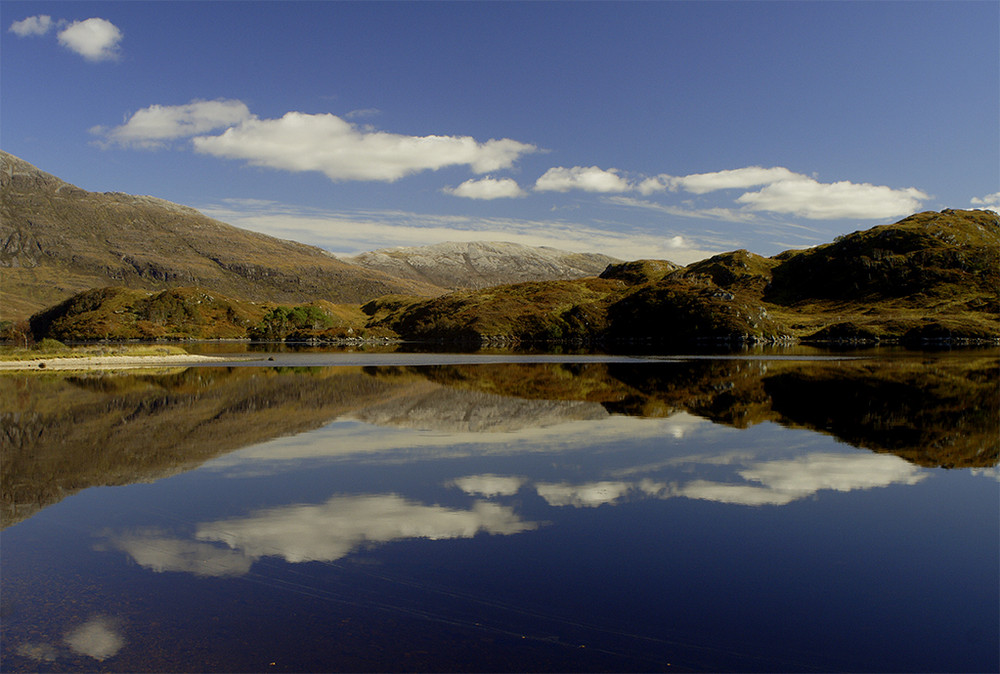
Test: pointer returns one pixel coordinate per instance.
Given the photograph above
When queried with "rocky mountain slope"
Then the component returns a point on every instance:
(57, 240)
(481, 264)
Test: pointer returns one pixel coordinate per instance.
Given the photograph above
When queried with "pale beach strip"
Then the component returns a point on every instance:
(119, 362)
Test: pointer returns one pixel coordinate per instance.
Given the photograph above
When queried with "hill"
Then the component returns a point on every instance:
(57, 240)
(481, 264)
(932, 277)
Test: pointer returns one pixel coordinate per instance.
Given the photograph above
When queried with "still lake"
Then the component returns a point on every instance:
(432, 512)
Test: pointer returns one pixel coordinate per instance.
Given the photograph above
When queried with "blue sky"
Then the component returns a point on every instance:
(655, 129)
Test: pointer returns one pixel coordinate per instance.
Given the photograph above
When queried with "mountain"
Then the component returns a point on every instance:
(481, 264)
(57, 240)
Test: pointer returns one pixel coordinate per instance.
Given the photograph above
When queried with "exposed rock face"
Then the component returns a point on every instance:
(57, 240)
(482, 264)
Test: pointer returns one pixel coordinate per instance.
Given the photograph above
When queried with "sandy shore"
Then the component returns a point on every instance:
(118, 362)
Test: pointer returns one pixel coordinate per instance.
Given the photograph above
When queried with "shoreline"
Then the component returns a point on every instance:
(119, 362)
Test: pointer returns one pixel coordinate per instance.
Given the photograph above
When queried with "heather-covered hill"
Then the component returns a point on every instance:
(946, 259)
(117, 313)
(57, 240)
(930, 277)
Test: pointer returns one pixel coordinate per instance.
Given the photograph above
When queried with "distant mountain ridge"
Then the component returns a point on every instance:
(482, 264)
(57, 240)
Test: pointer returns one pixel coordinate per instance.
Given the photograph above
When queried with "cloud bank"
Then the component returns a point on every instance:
(782, 191)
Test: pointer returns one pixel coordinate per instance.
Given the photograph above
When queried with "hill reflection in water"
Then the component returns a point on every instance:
(738, 514)
(62, 434)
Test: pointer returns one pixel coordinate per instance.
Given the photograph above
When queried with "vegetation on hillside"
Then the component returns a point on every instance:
(931, 278)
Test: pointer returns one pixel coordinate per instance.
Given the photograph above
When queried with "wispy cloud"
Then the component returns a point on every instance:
(352, 232)
(716, 213)
(990, 201)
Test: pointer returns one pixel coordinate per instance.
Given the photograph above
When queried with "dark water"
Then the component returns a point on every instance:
(452, 514)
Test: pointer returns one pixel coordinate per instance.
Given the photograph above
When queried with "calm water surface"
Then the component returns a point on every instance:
(424, 513)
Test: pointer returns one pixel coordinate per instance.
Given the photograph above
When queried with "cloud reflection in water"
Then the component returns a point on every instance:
(305, 533)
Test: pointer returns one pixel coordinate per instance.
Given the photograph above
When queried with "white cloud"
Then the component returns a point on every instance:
(331, 530)
(652, 185)
(586, 178)
(344, 151)
(486, 188)
(99, 638)
(839, 472)
(990, 200)
(785, 191)
(95, 39)
(808, 198)
(588, 495)
(784, 481)
(700, 183)
(33, 25)
(151, 126)
(160, 553)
